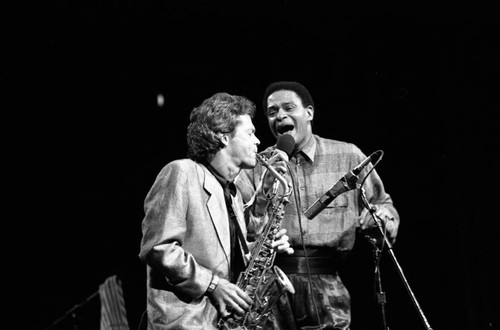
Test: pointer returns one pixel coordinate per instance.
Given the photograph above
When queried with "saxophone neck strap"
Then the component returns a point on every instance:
(229, 189)
(238, 229)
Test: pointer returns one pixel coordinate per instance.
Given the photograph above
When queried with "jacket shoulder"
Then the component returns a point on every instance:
(182, 165)
(180, 168)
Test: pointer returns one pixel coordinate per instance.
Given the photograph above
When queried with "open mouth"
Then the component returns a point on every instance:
(284, 129)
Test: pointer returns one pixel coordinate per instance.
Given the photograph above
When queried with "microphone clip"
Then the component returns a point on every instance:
(350, 181)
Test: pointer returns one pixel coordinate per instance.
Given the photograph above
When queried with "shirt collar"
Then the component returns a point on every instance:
(226, 184)
(309, 149)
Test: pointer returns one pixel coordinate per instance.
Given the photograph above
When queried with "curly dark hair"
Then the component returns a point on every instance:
(294, 86)
(216, 116)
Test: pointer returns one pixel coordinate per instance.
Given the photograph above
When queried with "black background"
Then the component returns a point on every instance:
(87, 136)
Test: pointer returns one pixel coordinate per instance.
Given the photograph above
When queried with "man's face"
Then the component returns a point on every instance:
(242, 144)
(286, 114)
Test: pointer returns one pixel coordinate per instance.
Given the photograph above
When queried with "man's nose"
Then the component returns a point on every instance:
(257, 141)
(281, 114)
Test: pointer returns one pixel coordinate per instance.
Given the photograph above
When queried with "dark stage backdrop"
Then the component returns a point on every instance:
(82, 81)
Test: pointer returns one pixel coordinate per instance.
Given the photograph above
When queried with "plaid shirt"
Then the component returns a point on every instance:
(314, 170)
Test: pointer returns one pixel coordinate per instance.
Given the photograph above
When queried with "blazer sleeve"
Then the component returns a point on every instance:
(164, 230)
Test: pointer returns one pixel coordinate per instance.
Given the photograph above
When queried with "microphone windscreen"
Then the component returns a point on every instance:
(286, 142)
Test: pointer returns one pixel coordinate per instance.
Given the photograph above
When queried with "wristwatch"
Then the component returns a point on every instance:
(213, 284)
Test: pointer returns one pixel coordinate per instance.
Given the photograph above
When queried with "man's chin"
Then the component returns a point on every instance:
(248, 165)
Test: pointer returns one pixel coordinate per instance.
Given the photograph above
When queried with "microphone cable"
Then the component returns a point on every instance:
(298, 210)
(377, 251)
(296, 194)
(374, 165)
(368, 206)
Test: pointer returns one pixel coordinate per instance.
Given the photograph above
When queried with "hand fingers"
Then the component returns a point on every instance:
(245, 298)
(285, 247)
(280, 233)
(386, 218)
(280, 238)
(222, 309)
(380, 213)
(281, 244)
(224, 314)
(235, 301)
(278, 155)
(280, 167)
(383, 214)
(239, 302)
(389, 226)
(279, 160)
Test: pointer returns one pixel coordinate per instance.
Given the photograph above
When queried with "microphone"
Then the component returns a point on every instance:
(286, 143)
(346, 183)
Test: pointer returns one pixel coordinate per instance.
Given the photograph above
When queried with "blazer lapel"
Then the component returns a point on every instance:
(217, 209)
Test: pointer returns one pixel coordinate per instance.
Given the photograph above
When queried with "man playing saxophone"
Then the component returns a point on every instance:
(264, 282)
(194, 233)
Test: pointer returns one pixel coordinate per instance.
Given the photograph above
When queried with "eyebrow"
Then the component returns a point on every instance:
(248, 127)
(284, 103)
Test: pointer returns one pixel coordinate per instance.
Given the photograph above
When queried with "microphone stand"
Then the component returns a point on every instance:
(381, 299)
(72, 312)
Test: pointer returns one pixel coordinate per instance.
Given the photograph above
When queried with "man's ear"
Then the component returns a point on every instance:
(310, 112)
(224, 139)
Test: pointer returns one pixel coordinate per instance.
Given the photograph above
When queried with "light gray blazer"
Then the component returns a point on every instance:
(185, 238)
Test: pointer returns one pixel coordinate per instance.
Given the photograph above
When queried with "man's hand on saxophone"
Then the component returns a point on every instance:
(228, 295)
(278, 162)
(275, 166)
(281, 244)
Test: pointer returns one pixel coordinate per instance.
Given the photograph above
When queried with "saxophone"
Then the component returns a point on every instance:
(262, 281)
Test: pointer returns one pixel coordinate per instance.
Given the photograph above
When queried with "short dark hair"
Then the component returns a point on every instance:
(294, 86)
(215, 116)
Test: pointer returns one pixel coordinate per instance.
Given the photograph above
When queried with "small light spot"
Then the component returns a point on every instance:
(160, 100)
